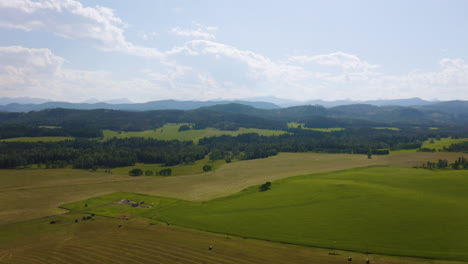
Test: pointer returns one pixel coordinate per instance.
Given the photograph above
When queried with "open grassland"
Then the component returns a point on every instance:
(28, 194)
(141, 241)
(388, 128)
(171, 132)
(443, 142)
(297, 125)
(182, 169)
(385, 210)
(37, 139)
(433, 143)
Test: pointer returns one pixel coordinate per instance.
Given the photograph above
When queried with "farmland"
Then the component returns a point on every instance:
(364, 209)
(142, 241)
(439, 144)
(33, 193)
(171, 132)
(301, 125)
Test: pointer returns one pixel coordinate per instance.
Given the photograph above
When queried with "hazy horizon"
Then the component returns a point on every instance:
(231, 50)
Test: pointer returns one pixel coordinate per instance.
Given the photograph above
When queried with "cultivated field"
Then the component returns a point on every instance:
(141, 241)
(33, 193)
(29, 194)
(386, 210)
(171, 132)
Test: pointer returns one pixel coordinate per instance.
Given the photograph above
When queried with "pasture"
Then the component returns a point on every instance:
(142, 241)
(171, 132)
(301, 125)
(436, 144)
(388, 128)
(384, 210)
(182, 169)
(34, 193)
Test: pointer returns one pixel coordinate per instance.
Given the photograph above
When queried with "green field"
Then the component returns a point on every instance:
(296, 125)
(182, 169)
(389, 128)
(37, 139)
(365, 209)
(443, 142)
(139, 241)
(32, 193)
(171, 132)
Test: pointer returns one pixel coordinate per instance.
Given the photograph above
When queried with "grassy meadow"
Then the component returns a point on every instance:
(388, 128)
(171, 132)
(34, 193)
(143, 241)
(297, 125)
(364, 209)
(182, 169)
(433, 143)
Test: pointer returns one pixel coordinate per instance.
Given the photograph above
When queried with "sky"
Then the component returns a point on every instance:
(146, 50)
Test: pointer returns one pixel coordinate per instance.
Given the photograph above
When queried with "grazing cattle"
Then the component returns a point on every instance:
(350, 259)
(76, 220)
(53, 222)
(210, 248)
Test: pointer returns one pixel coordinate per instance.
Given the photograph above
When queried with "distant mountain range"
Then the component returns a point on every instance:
(385, 102)
(154, 105)
(26, 104)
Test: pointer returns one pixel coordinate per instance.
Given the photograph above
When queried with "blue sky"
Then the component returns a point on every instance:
(201, 50)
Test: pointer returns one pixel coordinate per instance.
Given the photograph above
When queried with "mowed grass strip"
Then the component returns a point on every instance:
(171, 132)
(142, 241)
(37, 139)
(386, 210)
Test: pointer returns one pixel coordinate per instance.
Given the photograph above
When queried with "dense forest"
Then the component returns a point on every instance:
(89, 151)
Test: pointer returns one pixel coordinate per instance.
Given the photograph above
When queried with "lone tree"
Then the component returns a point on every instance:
(135, 172)
(369, 155)
(265, 187)
(165, 172)
(207, 168)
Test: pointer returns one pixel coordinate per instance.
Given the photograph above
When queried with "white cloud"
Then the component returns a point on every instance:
(70, 19)
(201, 32)
(344, 60)
(149, 35)
(259, 66)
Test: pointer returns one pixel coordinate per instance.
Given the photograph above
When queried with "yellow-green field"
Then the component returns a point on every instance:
(182, 169)
(443, 142)
(171, 132)
(296, 125)
(388, 128)
(33, 193)
(37, 139)
(141, 241)
(379, 209)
